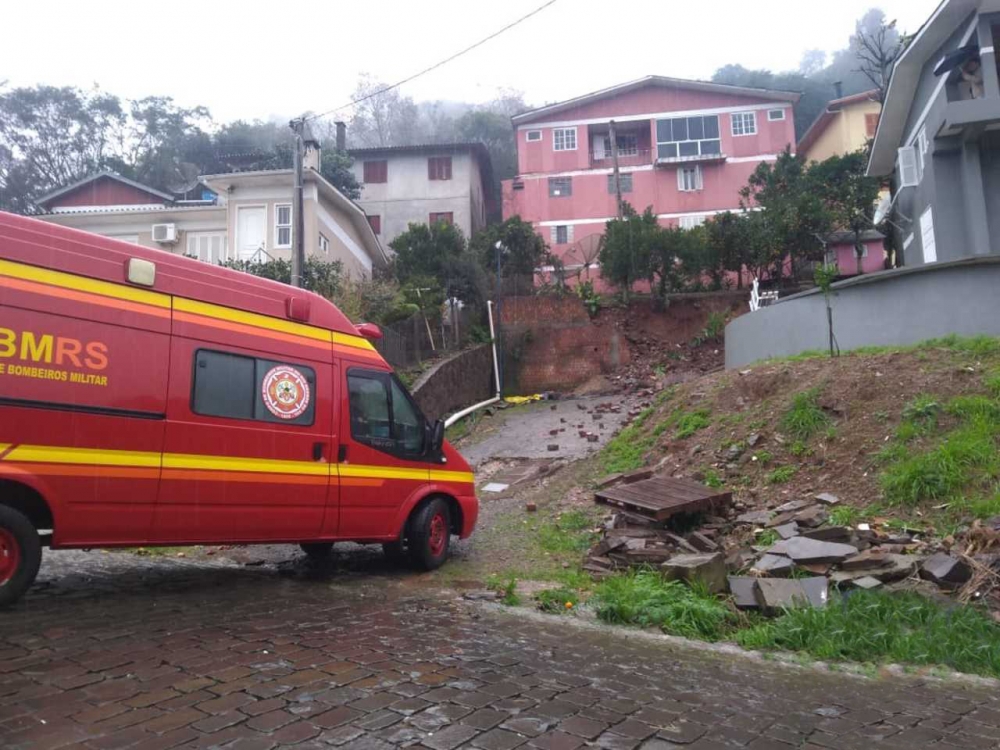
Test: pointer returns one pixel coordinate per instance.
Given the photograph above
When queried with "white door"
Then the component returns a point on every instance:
(927, 236)
(250, 232)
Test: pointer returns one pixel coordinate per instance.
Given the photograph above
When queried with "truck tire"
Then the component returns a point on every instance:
(430, 535)
(317, 550)
(20, 555)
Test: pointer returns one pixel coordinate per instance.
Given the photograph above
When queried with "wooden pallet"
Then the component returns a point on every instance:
(660, 498)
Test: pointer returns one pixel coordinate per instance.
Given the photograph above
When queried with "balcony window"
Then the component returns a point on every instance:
(686, 137)
(628, 144)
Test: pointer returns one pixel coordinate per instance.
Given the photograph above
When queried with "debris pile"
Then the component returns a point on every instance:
(790, 555)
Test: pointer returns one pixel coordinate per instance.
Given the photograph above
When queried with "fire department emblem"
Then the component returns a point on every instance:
(286, 392)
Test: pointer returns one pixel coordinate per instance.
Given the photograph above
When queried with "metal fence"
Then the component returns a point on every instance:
(407, 343)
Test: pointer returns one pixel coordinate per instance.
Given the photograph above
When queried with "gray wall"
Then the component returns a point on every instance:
(455, 383)
(891, 308)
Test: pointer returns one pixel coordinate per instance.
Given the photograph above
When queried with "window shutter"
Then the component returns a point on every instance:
(697, 178)
(553, 234)
(569, 233)
(907, 167)
(927, 240)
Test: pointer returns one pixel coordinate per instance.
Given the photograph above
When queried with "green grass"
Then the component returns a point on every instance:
(506, 586)
(571, 532)
(555, 600)
(976, 346)
(781, 475)
(689, 423)
(879, 627)
(646, 599)
(799, 448)
(922, 411)
(804, 418)
(626, 450)
(845, 515)
(766, 538)
(712, 478)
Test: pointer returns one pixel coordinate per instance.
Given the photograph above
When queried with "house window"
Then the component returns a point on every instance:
(439, 168)
(689, 179)
(871, 124)
(774, 115)
(209, 247)
(376, 223)
(744, 123)
(232, 386)
(448, 217)
(560, 187)
(283, 225)
(922, 147)
(927, 236)
(534, 135)
(690, 222)
(324, 244)
(626, 182)
(683, 137)
(562, 234)
(564, 139)
(628, 144)
(376, 171)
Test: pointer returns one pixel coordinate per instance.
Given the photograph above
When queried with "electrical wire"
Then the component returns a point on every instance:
(435, 66)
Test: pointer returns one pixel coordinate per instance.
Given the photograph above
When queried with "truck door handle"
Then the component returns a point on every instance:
(318, 451)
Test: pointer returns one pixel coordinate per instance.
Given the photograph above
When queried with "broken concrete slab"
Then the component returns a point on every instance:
(792, 505)
(787, 530)
(828, 534)
(742, 588)
(870, 558)
(776, 594)
(812, 517)
(827, 499)
(709, 569)
(899, 567)
(946, 571)
(755, 517)
(803, 549)
(867, 583)
(773, 565)
(701, 542)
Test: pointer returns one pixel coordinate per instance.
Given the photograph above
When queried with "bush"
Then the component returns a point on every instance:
(804, 418)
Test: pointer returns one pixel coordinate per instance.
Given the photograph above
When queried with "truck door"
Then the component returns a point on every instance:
(248, 446)
(381, 453)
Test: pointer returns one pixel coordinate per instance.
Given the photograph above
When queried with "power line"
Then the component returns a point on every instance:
(436, 65)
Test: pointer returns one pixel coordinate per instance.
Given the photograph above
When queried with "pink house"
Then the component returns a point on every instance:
(684, 147)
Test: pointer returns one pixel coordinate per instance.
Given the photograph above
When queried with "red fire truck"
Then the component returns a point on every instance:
(151, 399)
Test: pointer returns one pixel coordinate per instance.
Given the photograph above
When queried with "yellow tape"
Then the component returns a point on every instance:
(47, 454)
(83, 284)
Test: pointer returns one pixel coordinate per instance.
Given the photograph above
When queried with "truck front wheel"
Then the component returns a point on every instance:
(430, 535)
(20, 555)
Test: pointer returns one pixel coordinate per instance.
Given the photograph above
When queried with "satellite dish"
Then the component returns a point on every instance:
(882, 210)
(184, 178)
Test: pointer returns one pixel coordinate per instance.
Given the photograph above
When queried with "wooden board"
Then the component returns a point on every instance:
(660, 498)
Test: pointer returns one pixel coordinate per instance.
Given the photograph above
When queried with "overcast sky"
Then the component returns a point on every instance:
(254, 59)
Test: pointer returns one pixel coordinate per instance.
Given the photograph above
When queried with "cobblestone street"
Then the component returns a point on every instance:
(114, 651)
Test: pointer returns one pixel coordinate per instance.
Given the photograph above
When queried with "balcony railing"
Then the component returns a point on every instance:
(635, 157)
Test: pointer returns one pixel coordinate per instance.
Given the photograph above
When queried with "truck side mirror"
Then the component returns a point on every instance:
(437, 437)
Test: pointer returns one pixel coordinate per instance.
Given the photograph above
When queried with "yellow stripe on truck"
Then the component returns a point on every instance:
(83, 284)
(250, 319)
(196, 461)
(230, 463)
(47, 454)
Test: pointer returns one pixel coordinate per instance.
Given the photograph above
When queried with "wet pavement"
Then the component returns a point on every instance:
(527, 430)
(112, 650)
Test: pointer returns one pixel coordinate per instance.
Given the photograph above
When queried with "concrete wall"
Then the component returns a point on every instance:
(891, 308)
(464, 379)
(408, 197)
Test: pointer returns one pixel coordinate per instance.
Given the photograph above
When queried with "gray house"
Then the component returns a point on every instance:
(939, 137)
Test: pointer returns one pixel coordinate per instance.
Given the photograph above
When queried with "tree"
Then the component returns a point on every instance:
(795, 216)
(725, 248)
(335, 166)
(522, 250)
(382, 116)
(326, 278)
(876, 45)
(675, 259)
(849, 194)
(436, 257)
(626, 248)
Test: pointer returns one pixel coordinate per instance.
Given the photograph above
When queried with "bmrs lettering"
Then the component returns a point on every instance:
(61, 351)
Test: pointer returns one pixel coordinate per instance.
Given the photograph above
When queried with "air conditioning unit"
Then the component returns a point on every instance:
(165, 234)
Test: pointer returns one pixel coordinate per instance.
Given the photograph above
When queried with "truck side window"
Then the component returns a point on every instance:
(383, 415)
(262, 390)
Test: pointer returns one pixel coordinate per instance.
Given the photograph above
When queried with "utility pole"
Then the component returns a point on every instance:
(614, 161)
(298, 222)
